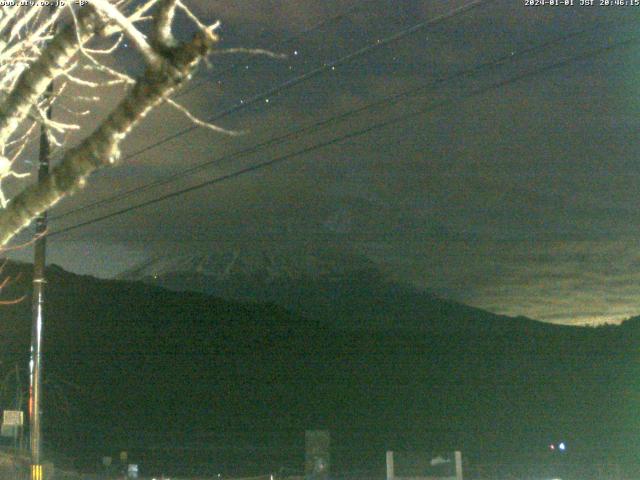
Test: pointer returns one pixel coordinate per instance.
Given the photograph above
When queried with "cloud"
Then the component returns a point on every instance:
(572, 282)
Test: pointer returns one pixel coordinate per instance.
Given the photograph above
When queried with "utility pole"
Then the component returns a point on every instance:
(20, 437)
(390, 470)
(35, 365)
(458, 457)
(37, 305)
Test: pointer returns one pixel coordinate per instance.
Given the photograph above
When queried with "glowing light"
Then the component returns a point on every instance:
(562, 446)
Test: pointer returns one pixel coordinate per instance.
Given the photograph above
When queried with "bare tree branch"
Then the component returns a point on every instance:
(201, 123)
(34, 80)
(127, 26)
(101, 148)
(164, 19)
(32, 56)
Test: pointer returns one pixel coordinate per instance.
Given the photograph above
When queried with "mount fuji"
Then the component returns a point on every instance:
(342, 288)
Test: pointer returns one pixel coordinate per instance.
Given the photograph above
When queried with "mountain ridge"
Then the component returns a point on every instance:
(347, 284)
(148, 361)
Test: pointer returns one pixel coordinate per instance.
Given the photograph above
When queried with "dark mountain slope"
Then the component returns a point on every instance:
(144, 367)
(346, 291)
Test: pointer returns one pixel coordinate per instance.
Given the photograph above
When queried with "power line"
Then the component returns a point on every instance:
(317, 71)
(195, 85)
(391, 99)
(348, 136)
(290, 40)
(296, 80)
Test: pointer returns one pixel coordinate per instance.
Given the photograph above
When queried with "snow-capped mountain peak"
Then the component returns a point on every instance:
(267, 264)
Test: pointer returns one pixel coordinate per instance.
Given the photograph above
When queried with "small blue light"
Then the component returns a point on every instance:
(562, 446)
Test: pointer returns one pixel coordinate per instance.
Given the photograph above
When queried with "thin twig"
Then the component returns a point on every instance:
(199, 122)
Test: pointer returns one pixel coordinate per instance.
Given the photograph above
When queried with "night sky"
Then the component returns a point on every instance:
(516, 189)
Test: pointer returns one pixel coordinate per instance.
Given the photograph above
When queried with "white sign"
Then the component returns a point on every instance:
(132, 471)
(13, 417)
